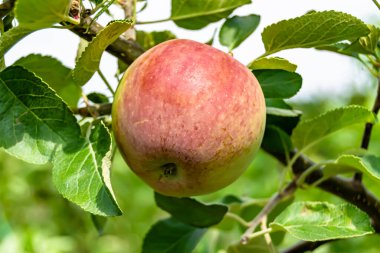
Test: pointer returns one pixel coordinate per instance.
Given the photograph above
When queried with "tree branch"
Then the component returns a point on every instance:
(368, 129)
(93, 110)
(346, 189)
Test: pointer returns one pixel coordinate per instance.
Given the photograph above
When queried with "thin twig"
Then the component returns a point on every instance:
(98, 110)
(109, 87)
(376, 3)
(287, 191)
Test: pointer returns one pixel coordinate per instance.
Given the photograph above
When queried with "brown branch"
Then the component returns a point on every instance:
(94, 110)
(346, 189)
(368, 130)
(6, 7)
(125, 49)
(129, 9)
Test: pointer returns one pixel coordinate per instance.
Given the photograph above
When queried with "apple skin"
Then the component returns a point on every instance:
(188, 118)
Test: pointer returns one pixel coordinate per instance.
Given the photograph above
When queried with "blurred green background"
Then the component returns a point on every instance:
(34, 218)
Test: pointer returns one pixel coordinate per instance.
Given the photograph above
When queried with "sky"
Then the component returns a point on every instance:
(324, 73)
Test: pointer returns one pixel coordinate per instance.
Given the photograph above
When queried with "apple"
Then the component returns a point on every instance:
(188, 118)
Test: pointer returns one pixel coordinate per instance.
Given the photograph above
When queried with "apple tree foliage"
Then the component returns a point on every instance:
(43, 121)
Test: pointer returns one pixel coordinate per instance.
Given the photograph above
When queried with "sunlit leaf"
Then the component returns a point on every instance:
(55, 74)
(81, 172)
(194, 14)
(33, 119)
(88, 62)
(38, 14)
(11, 37)
(172, 236)
(310, 131)
(319, 221)
(236, 29)
(190, 211)
(272, 63)
(312, 30)
(38, 127)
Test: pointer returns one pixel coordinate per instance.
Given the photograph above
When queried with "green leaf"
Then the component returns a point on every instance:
(272, 63)
(81, 172)
(311, 131)
(277, 83)
(282, 112)
(97, 98)
(195, 14)
(236, 29)
(312, 30)
(368, 164)
(276, 140)
(318, 221)
(255, 245)
(285, 123)
(38, 14)
(364, 45)
(88, 62)
(11, 37)
(99, 223)
(38, 127)
(33, 119)
(148, 40)
(172, 236)
(190, 211)
(54, 73)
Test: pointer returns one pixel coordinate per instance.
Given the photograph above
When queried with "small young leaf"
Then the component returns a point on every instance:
(277, 83)
(236, 29)
(368, 164)
(318, 221)
(272, 63)
(194, 14)
(366, 44)
(148, 40)
(172, 236)
(54, 73)
(97, 98)
(88, 62)
(81, 172)
(309, 132)
(312, 30)
(11, 37)
(33, 119)
(38, 14)
(190, 211)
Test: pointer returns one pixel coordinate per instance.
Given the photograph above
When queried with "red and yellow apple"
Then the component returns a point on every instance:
(188, 118)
